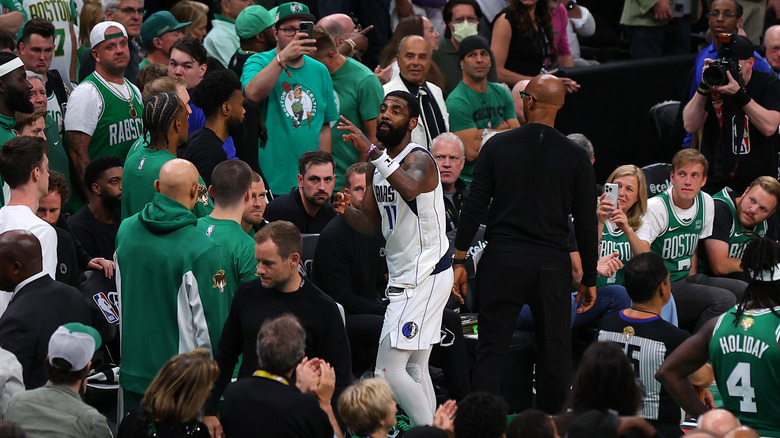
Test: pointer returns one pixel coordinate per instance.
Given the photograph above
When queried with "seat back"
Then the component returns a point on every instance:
(478, 244)
(657, 176)
(307, 258)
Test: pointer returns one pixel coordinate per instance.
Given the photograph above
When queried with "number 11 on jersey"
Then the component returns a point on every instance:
(392, 214)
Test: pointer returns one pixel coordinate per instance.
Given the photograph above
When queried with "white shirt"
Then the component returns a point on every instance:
(85, 105)
(20, 217)
(656, 218)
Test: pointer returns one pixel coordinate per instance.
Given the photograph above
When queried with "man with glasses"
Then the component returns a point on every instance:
(462, 19)
(130, 13)
(478, 108)
(297, 93)
(725, 16)
(527, 230)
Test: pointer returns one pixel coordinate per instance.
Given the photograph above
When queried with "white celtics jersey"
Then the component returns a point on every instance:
(415, 230)
(61, 13)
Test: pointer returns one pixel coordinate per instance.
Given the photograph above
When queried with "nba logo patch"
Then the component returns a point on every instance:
(409, 330)
(105, 306)
(141, 164)
(210, 230)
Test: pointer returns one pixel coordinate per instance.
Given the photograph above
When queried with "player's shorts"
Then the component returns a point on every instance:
(413, 317)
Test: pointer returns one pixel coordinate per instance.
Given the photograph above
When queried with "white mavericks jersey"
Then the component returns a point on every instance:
(415, 230)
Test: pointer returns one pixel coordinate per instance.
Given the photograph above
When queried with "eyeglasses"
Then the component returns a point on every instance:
(470, 18)
(289, 31)
(130, 11)
(726, 13)
(524, 94)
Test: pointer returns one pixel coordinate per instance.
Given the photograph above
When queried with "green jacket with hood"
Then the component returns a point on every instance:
(167, 275)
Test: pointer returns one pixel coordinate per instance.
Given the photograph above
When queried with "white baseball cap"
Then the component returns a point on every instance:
(98, 34)
(75, 343)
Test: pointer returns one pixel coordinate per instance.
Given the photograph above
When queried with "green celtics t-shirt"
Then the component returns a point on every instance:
(58, 157)
(296, 109)
(141, 169)
(358, 97)
(119, 124)
(472, 109)
(6, 133)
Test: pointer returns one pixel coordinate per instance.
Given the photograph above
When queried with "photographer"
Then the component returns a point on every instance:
(738, 109)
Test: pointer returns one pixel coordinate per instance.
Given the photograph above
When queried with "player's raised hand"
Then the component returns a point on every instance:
(341, 200)
(354, 135)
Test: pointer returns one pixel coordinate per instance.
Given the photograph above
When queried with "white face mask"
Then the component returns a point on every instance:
(464, 30)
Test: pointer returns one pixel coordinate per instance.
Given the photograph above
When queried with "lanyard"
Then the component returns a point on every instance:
(265, 374)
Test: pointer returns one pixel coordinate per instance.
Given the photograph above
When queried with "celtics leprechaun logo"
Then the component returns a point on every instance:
(299, 104)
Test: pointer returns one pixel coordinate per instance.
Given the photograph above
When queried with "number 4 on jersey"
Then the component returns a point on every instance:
(739, 386)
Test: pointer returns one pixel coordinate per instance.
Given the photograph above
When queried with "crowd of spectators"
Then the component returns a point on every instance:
(174, 179)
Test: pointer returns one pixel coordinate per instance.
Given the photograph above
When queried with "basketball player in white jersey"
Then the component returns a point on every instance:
(404, 198)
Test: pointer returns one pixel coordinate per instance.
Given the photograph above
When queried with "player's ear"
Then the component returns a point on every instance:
(412, 123)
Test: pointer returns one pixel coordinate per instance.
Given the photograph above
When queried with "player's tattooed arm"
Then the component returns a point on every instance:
(418, 174)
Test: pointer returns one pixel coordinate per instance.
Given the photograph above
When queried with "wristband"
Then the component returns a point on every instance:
(458, 261)
(385, 165)
(703, 89)
(282, 65)
(741, 97)
(351, 44)
(371, 149)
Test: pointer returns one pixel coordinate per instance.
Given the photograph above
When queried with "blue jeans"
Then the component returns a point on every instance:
(673, 38)
(608, 299)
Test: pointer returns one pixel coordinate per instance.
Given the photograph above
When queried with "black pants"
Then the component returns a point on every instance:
(506, 282)
(700, 298)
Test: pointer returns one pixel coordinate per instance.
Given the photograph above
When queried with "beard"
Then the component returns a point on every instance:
(20, 100)
(393, 136)
(111, 202)
(235, 127)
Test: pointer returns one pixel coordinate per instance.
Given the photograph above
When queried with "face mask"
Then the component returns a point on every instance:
(464, 30)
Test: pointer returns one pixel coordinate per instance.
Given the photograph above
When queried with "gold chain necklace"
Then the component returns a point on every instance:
(133, 112)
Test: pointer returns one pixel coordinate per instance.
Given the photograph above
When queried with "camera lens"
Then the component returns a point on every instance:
(714, 75)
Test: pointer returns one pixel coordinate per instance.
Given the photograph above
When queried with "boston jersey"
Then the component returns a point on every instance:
(613, 240)
(746, 361)
(677, 243)
(738, 236)
(62, 14)
(415, 231)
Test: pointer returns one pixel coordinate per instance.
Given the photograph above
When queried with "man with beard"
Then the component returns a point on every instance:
(104, 111)
(14, 96)
(97, 223)
(252, 219)
(404, 199)
(219, 96)
(308, 206)
(739, 219)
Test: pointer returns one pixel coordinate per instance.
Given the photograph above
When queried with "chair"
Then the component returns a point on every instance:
(309, 246)
(664, 119)
(657, 176)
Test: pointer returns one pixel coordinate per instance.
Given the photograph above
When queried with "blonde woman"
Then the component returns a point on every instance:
(91, 14)
(171, 407)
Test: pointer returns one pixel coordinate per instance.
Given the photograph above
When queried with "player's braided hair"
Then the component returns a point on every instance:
(761, 256)
(159, 112)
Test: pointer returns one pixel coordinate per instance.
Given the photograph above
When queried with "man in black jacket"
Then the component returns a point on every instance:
(532, 177)
(39, 304)
(450, 155)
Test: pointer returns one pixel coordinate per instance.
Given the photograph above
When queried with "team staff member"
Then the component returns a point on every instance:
(527, 231)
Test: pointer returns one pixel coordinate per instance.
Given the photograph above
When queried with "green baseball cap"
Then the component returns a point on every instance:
(158, 24)
(253, 20)
(293, 10)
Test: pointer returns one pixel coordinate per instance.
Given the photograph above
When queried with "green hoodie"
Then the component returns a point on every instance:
(166, 275)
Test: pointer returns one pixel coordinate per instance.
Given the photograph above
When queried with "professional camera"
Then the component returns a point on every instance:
(715, 73)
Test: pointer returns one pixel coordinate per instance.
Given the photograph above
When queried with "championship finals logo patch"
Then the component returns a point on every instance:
(299, 104)
(628, 332)
(410, 330)
(219, 280)
(203, 194)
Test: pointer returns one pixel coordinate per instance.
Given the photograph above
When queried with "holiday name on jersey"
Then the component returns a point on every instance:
(743, 344)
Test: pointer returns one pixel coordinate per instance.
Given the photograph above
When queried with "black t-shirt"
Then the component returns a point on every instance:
(351, 268)
(326, 337)
(724, 146)
(257, 406)
(289, 207)
(647, 342)
(204, 150)
(523, 58)
(532, 178)
(135, 424)
(98, 238)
